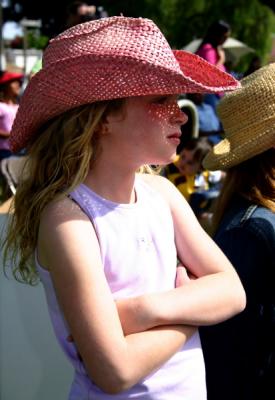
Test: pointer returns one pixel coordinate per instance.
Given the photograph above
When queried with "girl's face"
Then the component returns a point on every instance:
(148, 131)
(186, 164)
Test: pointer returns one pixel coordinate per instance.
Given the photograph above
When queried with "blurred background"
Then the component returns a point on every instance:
(27, 25)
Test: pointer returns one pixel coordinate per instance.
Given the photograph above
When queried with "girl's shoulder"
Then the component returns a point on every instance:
(157, 182)
(165, 188)
(59, 210)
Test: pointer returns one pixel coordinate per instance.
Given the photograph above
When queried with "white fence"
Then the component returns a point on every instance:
(32, 366)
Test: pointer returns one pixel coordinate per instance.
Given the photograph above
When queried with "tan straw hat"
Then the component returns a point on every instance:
(248, 117)
(107, 59)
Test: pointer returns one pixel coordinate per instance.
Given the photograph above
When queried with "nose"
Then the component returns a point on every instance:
(177, 115)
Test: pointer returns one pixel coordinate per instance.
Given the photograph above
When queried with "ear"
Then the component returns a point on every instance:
(102, 128)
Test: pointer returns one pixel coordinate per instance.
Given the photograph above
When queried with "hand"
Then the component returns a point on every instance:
(183, 276)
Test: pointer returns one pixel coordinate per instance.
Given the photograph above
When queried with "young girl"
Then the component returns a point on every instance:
(105, 238)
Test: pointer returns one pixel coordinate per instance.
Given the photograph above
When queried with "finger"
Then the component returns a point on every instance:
(181, 276)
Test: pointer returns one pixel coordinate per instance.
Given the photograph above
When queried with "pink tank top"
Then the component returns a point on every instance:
(139, 256)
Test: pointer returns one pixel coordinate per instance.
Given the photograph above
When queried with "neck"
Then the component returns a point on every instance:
(112, 183)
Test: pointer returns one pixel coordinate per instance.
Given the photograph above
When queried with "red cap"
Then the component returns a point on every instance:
(10, 76)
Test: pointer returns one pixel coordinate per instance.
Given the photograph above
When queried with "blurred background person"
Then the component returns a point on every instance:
(199, 186)
(211, 50)
(79, 11)
(254, 64)
(209, 123)
(240, 353)
(10, 86)
(211, 46)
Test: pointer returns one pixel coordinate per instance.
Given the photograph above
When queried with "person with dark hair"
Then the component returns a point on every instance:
(211, 50)
(79, 12)
(240, 353)
(199, 186)
(255, 63)
(186, 169)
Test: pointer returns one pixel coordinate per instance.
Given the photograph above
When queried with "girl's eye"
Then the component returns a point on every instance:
(162, 100)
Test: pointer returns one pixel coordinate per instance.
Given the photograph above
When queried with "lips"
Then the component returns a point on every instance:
(174, 136)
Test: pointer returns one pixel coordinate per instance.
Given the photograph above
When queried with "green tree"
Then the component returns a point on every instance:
(182, 20)
(251, 21)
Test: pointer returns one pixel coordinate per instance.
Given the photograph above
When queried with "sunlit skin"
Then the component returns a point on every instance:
(146, 131)
(121, 343)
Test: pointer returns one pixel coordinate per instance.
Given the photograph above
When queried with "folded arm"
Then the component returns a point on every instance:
(69, 249)
(216, 294)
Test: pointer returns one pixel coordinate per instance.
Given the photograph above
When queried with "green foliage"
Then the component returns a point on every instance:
(183, 20)
(256, 28)
(36, 41)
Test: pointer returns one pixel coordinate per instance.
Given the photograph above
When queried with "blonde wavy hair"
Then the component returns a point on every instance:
(58, 160)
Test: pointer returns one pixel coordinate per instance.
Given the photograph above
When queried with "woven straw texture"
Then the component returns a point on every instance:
(248, 117)
(106, 59)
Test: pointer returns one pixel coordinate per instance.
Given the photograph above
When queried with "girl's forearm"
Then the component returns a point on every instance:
(204, 301)
(208, 300)
(149, 350)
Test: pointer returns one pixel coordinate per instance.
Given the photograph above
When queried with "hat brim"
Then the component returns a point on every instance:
(9, 77)
(208, 77)
(51, 92)
(224, 155)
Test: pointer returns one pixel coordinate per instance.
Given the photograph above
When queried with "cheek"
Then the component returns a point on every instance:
(163, 113)
(166, 114)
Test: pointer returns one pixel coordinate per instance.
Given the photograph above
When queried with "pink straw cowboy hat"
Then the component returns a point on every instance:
(107, 59)
(248, 117)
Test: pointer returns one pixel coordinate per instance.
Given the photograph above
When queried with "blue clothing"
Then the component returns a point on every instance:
(208, 120)
(240, 353)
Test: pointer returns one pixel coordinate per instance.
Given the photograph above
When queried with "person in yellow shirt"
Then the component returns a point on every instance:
(199, 186)
(186, 172)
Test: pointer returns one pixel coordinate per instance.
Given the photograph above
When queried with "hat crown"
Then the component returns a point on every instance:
(129, 38)
(251, 104)
(107, 59)
(248, 118)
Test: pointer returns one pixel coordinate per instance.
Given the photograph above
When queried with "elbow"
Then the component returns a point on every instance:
(239, 297)
(242, 300)
(115, 385)
(112, 381)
